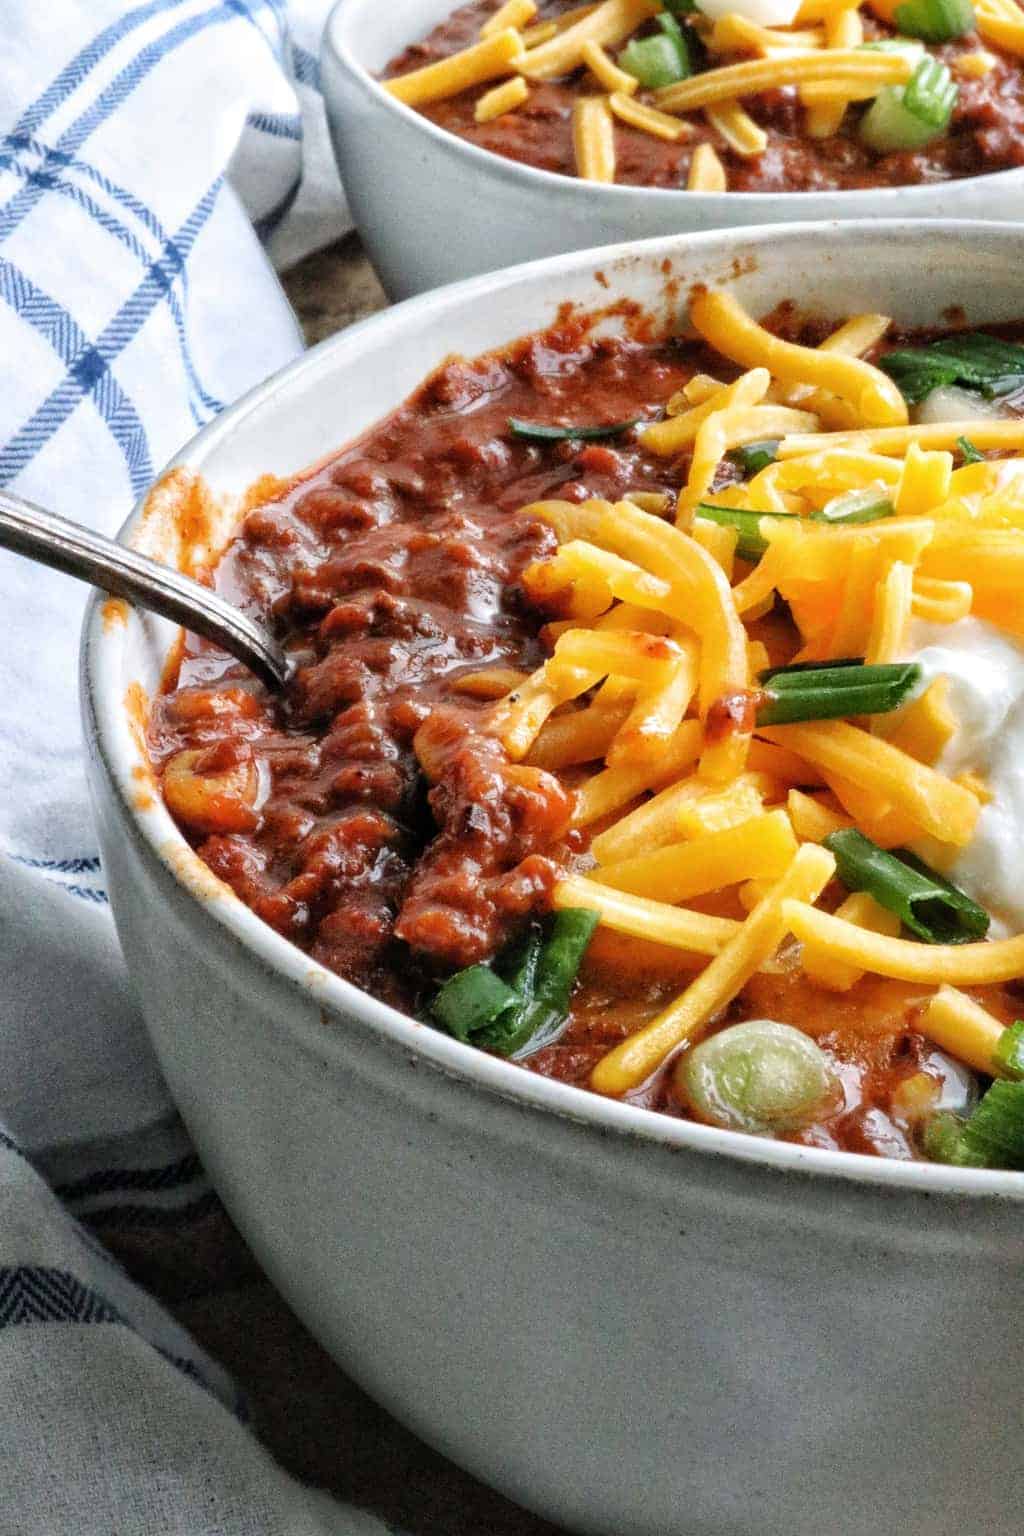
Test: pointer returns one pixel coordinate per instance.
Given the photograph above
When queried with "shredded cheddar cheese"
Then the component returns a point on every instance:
(648, 119)
(607, 24)
(707, 173)
(593, 136)
(826, 106)
(987, 432)
(634, 1061)
(737, 128)
(514, 13)
(534, 36)
(863, 911)
(965, 965)
(956, 1023)
(606, 71)
(995, 25)
(483, 61)
(658, 640)
(837, 66)
(720, 320)
(501, 99)
(758, 848)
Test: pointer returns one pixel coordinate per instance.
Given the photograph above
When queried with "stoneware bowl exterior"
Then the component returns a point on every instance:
(432, 208)
(635, 1325)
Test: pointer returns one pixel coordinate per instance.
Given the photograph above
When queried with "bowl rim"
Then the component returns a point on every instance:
(114, 741)
(889, 200)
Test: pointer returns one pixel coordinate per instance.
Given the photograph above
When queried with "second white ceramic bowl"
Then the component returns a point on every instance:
(637, 1325)
(432, 207)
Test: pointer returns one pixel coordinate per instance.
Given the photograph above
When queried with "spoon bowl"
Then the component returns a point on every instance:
(78, 551)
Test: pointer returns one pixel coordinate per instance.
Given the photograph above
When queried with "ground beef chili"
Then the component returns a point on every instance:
(391, 572)
(986, 132)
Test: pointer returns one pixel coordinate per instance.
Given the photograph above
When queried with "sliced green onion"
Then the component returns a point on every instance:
(834, 692)
(1008, 1057)
(472, 1000)
(927, 904)
(753, 457)
(541, 432)
(751, 543)
(985, 363)
(992, 1136)
(857, 507)
(865, 506)
(659, 60)
(908, 116)
(528, 1002)
(519, 972)
(968, 452)
(930, 93)
(761, 1076)
(889, 126)
(547, 990)
(942, 1136)
(680, 7)
(936, 21)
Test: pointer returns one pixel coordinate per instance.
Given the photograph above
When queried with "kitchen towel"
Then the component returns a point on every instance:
(152, 156)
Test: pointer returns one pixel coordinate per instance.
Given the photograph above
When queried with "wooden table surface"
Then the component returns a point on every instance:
(317, 1423)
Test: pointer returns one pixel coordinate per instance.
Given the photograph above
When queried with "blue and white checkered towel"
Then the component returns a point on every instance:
(150, 155)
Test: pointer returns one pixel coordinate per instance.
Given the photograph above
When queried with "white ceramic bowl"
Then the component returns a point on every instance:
(432, 208)
(638, 1326)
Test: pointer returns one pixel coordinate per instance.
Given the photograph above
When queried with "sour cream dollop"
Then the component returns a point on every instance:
(767, 13)
(985, 668)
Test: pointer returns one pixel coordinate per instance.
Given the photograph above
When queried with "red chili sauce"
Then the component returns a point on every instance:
(390, 572)
(986, 132)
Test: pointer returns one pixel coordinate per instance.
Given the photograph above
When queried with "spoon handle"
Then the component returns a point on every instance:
(67, 546)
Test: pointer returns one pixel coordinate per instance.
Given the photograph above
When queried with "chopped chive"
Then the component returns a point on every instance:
(935, 21)
(753, 457)
(541, 432)
(834, 692)
(983, 363)
(968, 452)
(1008, 1057)
(472, 1000)
(993, 1135)
(927, 904)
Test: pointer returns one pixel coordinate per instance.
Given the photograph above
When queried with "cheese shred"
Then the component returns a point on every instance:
(649, 696)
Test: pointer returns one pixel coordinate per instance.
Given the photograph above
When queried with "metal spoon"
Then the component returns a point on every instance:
(69, 547)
